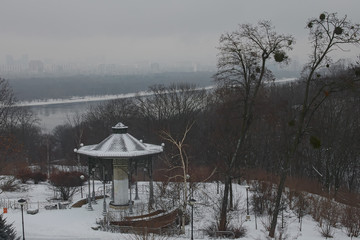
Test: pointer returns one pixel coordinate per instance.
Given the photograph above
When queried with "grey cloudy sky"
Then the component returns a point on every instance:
(116, 31)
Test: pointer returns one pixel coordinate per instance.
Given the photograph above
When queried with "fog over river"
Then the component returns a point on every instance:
(52, 115)
(54, 112)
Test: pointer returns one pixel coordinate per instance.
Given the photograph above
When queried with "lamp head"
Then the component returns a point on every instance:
(21, 201)
(192, 202)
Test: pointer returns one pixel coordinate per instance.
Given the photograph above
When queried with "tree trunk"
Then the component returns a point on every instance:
(277, 204)
(231, 195)
(224, 204)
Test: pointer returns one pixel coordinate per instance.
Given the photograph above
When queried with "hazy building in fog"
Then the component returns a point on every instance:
(155, 67)
(36, 66)
(9, 60)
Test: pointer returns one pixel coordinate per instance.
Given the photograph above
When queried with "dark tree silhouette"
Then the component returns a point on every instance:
(7, 231)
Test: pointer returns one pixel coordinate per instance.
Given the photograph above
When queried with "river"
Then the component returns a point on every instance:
(52, 115)
(54, 112)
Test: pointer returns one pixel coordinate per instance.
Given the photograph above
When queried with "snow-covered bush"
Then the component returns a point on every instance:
(8, 184)
(167, 194)
(144, 235)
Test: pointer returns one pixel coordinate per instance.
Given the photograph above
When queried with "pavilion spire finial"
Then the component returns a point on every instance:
(120, 128)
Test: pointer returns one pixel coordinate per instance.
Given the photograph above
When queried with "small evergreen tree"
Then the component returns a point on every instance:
(7, 231)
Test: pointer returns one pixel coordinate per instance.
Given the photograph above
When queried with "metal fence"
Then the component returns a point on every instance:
(13, 204)
(10, 204)
(206, 234)
(139, 230)
(197, 234)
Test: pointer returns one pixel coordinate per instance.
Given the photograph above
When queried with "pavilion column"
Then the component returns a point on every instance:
(121, 182)
(151, 184)
(112, 183)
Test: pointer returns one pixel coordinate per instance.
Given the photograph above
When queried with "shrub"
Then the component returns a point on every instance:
(66, 183)
(350, 220)
(328, 217)
(38, 177)
(301, 204)
(8, 184)
(239, 231)
(24, 174)
(326, 229)
(263, 197)
(314, 207)
(211, 230)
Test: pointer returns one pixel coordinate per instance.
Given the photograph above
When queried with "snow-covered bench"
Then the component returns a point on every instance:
(32, 211)
(51, 207)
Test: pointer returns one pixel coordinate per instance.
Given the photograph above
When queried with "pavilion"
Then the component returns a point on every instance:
(120, 152)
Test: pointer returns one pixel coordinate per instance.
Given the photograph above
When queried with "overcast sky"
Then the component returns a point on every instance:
(115, 31)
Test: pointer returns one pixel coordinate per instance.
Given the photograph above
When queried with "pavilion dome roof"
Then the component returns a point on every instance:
(120, 144)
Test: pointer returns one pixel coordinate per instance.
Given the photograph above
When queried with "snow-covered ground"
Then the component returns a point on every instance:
(76, 223)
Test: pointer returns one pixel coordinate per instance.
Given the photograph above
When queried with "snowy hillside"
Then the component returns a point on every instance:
(76, 223)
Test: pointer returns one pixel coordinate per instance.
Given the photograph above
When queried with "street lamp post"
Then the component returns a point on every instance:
(93, 192)
(247, 203)
(22, 203)
(104, 203)
(82, 177)
(89, 207)
(192, 203)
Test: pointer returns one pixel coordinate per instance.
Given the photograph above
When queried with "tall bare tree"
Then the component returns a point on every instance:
(242, 61)
(327, 33)
(7, 101)
(180, 161)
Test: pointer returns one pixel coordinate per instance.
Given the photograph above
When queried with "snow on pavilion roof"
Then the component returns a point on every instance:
(120, 144)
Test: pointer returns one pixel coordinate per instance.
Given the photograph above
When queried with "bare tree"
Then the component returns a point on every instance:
(327, 33)
(242, 67)
(17, 129)
(7, 101)
(173, 106)
(181, 162)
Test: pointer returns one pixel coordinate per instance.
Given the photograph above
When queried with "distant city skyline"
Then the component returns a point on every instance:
(158, 31)
(25, 66)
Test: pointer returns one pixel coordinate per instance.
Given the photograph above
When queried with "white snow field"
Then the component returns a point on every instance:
(76, 223)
